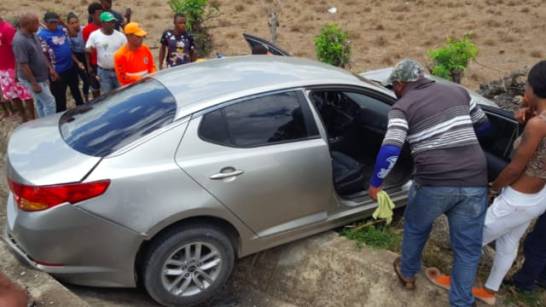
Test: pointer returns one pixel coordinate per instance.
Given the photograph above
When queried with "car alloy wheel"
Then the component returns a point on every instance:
(188, 264)
(191, 269)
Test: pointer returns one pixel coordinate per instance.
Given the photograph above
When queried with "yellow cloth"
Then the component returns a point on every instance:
(384, 210)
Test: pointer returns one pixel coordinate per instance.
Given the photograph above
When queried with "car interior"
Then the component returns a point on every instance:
(498, 143)
(356, 124)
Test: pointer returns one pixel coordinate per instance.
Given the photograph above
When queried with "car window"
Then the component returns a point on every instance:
(266, 120)
(117, 119)
(366, 102)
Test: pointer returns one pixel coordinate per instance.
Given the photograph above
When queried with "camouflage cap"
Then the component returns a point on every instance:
(407, 70)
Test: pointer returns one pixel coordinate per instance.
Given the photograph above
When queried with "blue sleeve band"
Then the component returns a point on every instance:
(483, 129)
(386, 160)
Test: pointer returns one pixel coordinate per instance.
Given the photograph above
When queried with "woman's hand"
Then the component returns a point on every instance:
(524, 114)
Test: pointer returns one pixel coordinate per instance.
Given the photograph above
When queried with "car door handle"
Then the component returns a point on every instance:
(221, 176)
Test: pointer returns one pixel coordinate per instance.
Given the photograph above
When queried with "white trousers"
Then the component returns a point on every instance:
(505, 223)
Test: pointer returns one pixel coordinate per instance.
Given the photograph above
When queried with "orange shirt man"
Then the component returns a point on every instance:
(134, 60)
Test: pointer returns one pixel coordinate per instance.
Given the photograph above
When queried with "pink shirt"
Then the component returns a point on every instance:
(7, 59)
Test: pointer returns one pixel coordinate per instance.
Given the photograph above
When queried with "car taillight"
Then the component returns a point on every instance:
(37, 198)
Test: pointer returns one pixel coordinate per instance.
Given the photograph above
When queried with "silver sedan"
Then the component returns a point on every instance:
(166, 182)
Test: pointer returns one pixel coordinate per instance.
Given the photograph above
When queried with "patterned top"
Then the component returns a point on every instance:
(438, 121)
(179, 47)
(537, 165)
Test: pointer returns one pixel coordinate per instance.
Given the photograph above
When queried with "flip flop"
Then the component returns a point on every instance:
(407, 283)
(437, 278)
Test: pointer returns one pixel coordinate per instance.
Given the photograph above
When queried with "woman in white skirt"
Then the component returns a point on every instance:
(519, 191)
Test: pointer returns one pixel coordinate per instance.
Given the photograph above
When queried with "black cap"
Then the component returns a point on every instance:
(51, 17)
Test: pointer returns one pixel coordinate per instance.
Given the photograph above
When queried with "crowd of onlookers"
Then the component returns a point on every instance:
(41, 58)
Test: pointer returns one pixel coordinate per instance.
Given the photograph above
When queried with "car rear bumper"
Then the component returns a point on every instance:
(73, 245)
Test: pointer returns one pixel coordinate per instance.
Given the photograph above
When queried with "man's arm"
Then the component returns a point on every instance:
(397, 131)
(50, 56)
(162, 54)
(120, 66)
(193, 54)
(29, 76)
(128, 15)
(22, 58)
(77, 62)
(90, 43)
(479, 119)
(151, 63)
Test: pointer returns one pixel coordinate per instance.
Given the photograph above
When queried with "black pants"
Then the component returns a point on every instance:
(83, 74)
(66, 79)
(534, 268)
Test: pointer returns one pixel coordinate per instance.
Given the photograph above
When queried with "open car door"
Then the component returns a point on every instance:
(498, 144)
(255, 41)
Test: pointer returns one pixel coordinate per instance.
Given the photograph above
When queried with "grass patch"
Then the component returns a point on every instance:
(376, 236)
(530, 299)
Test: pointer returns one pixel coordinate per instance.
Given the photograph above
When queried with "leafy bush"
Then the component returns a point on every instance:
(451, 60)
(332, 46)
(197, 12)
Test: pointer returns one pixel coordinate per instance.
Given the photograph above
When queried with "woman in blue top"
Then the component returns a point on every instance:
(78, 49)
(60, 54)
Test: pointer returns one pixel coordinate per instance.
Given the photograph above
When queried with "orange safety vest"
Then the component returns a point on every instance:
(133, 65)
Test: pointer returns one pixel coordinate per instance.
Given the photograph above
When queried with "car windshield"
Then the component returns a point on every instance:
(119, 118)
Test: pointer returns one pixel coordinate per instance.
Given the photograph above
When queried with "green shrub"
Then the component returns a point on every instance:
(375, 236)
(332, 46)
(197, 12)
(451, 60)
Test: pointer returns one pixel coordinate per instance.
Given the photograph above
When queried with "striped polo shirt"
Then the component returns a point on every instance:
(437, 121)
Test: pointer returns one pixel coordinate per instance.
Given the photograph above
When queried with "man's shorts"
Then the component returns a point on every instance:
(11, 89)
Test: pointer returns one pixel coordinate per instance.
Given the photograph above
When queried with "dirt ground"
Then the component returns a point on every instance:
(509, 33)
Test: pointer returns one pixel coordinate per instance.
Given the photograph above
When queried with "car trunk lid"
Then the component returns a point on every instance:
(38, 155)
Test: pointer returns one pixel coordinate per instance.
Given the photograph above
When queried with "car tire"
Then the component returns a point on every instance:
(170, 268)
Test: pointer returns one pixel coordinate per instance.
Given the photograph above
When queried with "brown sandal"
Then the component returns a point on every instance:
(407, 283)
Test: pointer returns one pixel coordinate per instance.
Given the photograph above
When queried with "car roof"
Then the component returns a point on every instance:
(198, 86)
(381, 75)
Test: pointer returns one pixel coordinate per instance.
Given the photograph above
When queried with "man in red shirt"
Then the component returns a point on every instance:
(11, 90)
(94, 10)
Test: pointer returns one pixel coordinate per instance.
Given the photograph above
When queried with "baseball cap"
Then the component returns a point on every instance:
(107, 17)
(407, 70)
(51, 17)
(135, 29)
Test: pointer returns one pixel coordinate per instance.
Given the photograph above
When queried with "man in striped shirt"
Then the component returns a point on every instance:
(440, 123)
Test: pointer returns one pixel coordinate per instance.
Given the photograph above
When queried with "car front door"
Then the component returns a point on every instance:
(498, 143)
(253, 41)
(263, 158)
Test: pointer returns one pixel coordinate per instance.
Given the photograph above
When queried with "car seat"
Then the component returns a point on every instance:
(349, 177)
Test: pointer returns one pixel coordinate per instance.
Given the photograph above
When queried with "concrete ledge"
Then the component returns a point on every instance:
(43, 289)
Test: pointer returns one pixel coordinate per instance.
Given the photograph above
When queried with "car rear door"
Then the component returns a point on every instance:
(263, 158)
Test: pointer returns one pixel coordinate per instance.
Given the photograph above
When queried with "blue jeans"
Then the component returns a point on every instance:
(465, 209)
(44, 102)
(108, 80)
